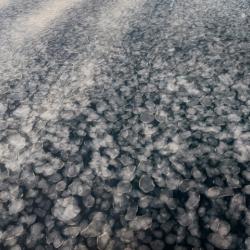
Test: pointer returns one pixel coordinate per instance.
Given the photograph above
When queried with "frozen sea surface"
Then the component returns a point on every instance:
(125, 125)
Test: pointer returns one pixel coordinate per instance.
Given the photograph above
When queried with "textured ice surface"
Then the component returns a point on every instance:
(124, 125)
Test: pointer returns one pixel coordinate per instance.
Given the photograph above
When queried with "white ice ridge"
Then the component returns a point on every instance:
(4, 3)
(33, 23)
